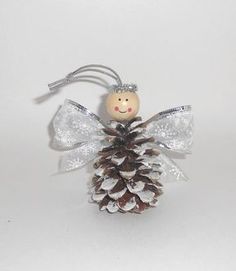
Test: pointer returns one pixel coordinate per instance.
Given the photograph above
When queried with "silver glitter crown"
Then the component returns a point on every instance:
(124, 88)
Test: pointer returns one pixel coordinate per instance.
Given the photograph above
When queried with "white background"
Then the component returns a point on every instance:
(178, 52)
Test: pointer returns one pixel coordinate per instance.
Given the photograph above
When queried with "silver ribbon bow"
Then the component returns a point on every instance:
(79, 133)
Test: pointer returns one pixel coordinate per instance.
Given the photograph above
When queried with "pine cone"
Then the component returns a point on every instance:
(126, 176)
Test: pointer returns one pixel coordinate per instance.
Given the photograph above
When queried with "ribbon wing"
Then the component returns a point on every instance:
(74, 124)
(172, 129)
(79, 132)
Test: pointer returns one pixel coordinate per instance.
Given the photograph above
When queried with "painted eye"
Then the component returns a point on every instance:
(126, 100)
(119, 99)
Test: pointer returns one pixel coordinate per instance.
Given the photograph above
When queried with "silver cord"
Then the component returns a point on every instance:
(71, 77)
(88, 67)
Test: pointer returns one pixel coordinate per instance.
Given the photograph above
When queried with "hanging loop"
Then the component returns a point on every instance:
(75, 75)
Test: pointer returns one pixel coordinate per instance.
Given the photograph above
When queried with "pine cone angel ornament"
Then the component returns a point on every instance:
(130, 161)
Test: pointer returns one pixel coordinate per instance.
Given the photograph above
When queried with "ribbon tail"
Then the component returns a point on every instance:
(80, 156)
(170, 170)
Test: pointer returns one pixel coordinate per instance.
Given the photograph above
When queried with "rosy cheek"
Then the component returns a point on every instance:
(129, 109)
(116, 108)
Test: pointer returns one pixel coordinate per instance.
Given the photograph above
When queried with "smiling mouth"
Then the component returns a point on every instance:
(122, 112)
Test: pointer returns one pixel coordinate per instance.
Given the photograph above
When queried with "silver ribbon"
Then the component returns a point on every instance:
(80, 156)
(74, 124)
(172, 129)
(79, 132)
(170, 171)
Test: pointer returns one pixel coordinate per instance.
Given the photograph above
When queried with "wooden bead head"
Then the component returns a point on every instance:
(122, 106)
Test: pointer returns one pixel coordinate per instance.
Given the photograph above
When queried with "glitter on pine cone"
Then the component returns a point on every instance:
(126, 176)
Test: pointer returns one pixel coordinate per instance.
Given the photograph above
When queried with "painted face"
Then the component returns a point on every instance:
(123, 105)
